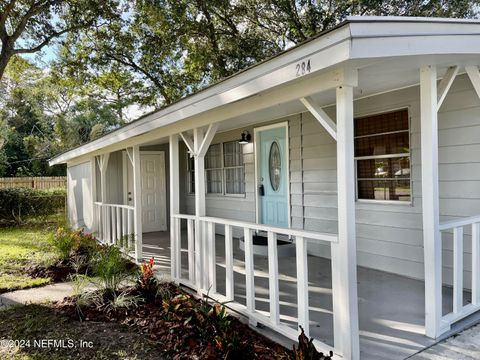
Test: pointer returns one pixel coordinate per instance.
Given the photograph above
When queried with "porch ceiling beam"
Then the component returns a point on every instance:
(320, 115)
(189, 142)
(445, 84)
(474, 75)
(207, 139)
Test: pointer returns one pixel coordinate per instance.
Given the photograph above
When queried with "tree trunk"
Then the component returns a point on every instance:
(5, 57)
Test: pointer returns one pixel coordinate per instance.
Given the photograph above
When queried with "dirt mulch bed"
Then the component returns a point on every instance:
(179, 328)
(41, 333)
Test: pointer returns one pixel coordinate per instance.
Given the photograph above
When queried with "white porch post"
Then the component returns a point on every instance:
(137, 196)
(95, 222)
(201, 272)
(103, 164)
(344, 253)
(175, 241)
(430, 201)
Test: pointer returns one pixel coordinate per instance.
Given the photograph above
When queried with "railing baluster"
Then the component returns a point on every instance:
(178, 248)
(191, 250)
(109, 225)
(129, 228)
(249, 270)
(476, 264)
(457, 269)
(119, 227)
(273, 278)
(114, 225)
(302, 283)
(211, 256)
(124, 228)
(229, 281)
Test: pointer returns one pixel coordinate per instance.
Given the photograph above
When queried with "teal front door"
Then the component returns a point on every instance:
(273, 177)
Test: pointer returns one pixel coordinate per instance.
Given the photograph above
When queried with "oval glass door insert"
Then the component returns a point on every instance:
(275, 166)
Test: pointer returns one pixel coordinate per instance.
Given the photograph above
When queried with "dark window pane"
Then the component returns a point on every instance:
(382, 144)
(234, 181)
(232, 154)
(214, 181)
(213, 158)
(394, 121)
(384, 168)
(384, 189)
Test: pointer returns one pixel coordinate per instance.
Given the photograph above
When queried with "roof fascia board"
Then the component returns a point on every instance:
(334, 50)
(301, 87)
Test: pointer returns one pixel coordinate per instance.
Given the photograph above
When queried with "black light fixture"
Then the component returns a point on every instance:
(246, 137)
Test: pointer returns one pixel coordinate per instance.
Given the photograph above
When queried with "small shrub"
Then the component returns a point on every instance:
(110, 269)
(63, 242)
(147, 283)
(69, 243)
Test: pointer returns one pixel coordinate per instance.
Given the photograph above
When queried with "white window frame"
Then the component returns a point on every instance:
(223, 194)
(386, 156)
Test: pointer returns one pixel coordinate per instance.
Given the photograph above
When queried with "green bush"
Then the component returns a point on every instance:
(110, 269)
(20, 204)
(67, 242)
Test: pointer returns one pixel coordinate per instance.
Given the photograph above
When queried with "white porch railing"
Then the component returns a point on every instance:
(115, 224)
(202, 268)
(460, 310)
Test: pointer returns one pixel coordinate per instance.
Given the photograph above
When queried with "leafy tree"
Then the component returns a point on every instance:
(172, 48)
(28, 26)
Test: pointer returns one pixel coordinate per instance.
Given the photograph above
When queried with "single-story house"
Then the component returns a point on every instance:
(335, 186)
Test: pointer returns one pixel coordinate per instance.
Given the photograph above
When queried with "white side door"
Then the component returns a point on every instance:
(153, 190)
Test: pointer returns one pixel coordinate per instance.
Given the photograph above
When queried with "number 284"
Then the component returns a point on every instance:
(303, 68)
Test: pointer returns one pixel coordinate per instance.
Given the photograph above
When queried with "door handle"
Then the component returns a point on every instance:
(261, 190)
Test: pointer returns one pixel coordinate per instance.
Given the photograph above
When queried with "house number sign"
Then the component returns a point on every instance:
(303, 68)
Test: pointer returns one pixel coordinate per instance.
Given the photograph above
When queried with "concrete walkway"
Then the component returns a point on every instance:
(465, 345)
(54, 292)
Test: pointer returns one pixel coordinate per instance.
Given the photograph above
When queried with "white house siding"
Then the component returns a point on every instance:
(79, 199)
(114, 178)
(389, 236)
(230, 207)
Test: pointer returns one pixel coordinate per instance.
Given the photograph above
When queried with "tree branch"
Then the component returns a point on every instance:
(48, 39)
(3, 18)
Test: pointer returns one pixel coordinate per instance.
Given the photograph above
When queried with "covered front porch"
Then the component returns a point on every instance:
(348, 309)
(391, 307)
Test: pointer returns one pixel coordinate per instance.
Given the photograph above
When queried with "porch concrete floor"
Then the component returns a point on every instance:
(391, 307)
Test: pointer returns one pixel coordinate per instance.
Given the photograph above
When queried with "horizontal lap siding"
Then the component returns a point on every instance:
(390, 237)
(229, 207)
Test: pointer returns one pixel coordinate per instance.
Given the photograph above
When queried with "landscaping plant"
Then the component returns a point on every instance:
(306, 350)
(111, 270)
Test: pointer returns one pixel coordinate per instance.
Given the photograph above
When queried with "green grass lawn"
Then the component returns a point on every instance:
(34, 328)
(20, 248)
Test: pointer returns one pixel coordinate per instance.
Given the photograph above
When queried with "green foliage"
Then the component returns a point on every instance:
(75, 244)
(110, 269)
(20, 249)
(20, 204)
(63, 242)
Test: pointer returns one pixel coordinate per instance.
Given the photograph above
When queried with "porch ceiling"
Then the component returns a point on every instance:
(375, 76)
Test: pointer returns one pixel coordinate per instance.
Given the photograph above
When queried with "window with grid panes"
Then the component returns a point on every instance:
(224, 169)
(213, 169)
(233, 168)
(382, 156)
